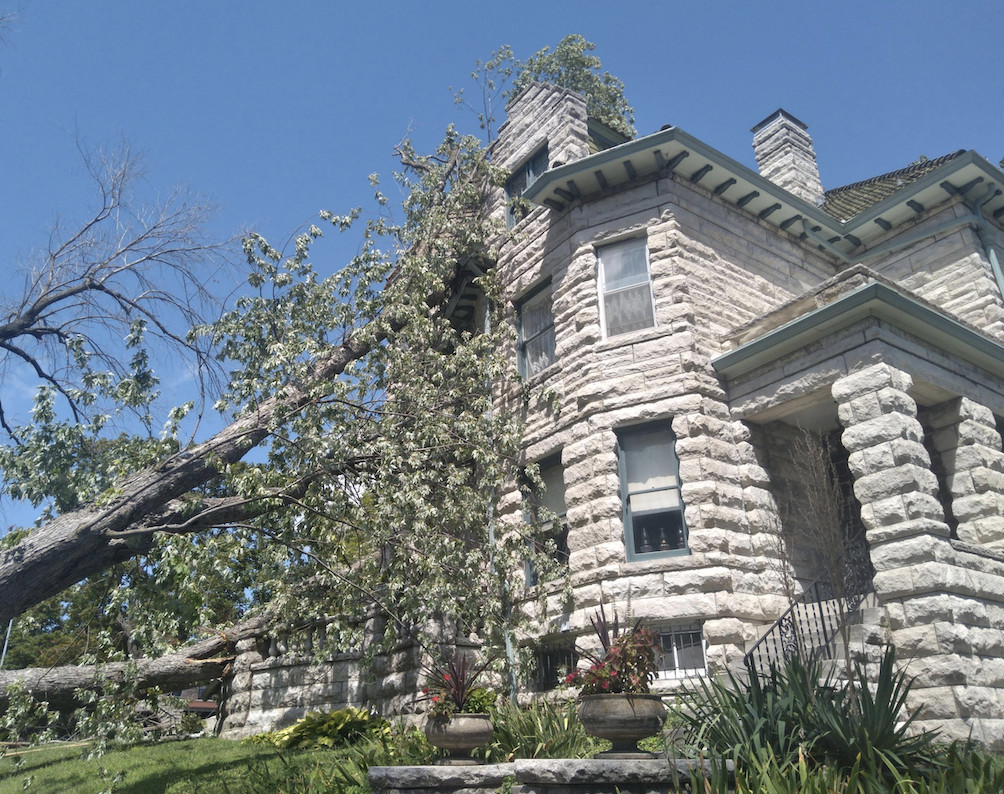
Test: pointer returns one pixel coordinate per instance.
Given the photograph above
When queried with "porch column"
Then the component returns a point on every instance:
(966, 437)
(893, 480)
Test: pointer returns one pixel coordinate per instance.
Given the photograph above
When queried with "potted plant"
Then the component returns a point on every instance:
(615, 702)
(458, 719)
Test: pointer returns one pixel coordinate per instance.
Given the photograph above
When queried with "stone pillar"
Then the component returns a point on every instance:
(893, 480)
(966, 437)
(944, 607)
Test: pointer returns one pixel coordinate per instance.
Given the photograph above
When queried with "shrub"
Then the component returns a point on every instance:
(541, 729)
(795, 715)
(317, 729)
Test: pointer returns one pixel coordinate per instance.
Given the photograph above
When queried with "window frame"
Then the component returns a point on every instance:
(559, 526)
(602, 288)
(647, 429)
(678, 673)
(527, 172)
(521, 340)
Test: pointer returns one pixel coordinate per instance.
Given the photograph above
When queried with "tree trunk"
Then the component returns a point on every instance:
(194, 665)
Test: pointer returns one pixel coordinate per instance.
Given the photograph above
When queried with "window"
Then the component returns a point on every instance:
(625, 287)
(535, 343)
(681, 652)
(550, 502)
(650, 489)
(554, 663)
(522, 177)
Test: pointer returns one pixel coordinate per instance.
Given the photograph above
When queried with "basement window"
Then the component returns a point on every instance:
(626, 301)
(680, 652)
(522, 177)
(554, 663)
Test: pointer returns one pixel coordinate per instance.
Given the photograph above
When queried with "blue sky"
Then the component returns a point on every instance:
(278, 110)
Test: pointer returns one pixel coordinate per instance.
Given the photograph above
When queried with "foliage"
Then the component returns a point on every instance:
(965, 770)
(540, 729)
(626, 664)
(343, 770)
(451, 685)
(571, 66)
(23, 710)
(317, 729)
(796, 714)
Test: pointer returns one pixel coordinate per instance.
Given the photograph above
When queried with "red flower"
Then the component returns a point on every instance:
(435, 698)
(425, 690)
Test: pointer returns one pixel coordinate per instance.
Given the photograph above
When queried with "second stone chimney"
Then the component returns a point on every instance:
(785, 156)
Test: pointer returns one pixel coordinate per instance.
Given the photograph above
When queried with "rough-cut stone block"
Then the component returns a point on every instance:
(938, 704)
(871, 379)
(906, 529)
(901, 480)
(885, 428)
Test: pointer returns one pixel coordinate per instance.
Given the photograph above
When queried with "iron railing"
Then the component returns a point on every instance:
(809, 627)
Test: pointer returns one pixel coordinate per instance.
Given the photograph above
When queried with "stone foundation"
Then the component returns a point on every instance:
(550, 776)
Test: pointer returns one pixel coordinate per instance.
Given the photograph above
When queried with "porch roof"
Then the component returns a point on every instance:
(873, 298)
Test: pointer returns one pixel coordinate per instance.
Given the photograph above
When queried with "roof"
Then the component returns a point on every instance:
(843, 203)
(874, 298)
(885, 204)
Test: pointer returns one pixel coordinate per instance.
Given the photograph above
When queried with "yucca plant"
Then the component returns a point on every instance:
(541, 729)
(795, 714)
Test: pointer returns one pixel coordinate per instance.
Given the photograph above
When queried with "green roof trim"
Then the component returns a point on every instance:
(881, 197)
(871, 300)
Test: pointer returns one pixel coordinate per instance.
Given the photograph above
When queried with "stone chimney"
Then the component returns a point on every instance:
(785, 156)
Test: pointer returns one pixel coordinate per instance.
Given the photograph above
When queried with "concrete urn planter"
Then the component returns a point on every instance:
(623, 719)
(459, 734)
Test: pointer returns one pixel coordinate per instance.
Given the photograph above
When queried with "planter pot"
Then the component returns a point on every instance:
(459, 734)
(623, 719)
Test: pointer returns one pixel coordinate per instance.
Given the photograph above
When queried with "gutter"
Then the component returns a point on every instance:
(973, 220)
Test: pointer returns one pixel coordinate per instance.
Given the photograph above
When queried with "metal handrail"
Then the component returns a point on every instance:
(809, 626)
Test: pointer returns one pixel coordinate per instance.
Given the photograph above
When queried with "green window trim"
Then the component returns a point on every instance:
(523, 176)
(658, 529)
(558, 530)
(535, 347)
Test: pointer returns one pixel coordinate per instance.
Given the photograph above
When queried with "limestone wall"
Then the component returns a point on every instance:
(952, 270)
(277, 679)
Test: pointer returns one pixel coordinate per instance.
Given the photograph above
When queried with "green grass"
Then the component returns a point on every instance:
(183, 766)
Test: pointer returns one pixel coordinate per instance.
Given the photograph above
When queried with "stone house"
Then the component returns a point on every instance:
(684, 326)
(683, 321)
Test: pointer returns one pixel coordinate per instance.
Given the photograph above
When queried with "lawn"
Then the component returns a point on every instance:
(177, 767)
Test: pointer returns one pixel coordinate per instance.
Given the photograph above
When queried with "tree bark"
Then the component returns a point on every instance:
(193, 665)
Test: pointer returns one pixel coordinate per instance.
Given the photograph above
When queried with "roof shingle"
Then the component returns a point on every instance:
(843, 203)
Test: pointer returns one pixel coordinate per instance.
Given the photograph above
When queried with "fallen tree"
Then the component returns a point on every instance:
(196, 664)
(447, 227)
